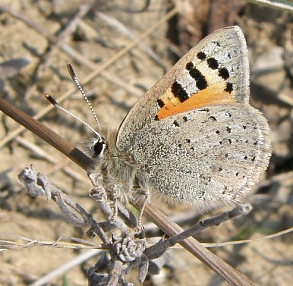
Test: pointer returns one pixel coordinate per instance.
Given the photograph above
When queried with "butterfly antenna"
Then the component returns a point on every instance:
(57, 105)
(74, 78)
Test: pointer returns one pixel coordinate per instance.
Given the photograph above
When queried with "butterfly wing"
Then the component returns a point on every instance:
(193, 136)
(223, 76)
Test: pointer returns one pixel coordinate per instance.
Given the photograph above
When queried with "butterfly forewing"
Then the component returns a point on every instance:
(226, 46)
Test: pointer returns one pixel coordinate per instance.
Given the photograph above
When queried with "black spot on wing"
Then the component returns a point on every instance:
(176, 123)
(189, 66)
(212, 63)
(201, 82)
(229, 87)
(160, 103)
(201, 55)
(179, 92)
(196, 74)
(224, 73)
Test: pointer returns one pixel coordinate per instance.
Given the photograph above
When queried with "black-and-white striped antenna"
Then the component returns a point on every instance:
(57, 105)
(74, 78)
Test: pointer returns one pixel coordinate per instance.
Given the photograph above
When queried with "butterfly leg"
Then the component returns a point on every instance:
(143, 197)
(103, 188)
(113, 190)
(114, 195)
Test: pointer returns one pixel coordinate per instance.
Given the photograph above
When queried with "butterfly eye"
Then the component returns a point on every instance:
(99, 147)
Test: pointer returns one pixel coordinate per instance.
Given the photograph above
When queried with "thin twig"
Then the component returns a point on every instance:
(230, 274)
(277, 4)
(12, 241)
(162, 246)
(244, 241)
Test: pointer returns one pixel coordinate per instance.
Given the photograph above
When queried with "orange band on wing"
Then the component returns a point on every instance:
(209, 96)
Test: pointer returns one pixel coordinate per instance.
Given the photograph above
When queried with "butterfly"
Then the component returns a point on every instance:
(193, 138)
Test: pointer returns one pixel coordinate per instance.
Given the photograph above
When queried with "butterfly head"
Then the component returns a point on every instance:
(96, 147)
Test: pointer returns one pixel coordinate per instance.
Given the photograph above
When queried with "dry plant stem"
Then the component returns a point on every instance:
(16, 242)
(94, 225)
(99, 195)
(39, 185)
(242, 209)
(125, 247)
(153, 251)
(229, 273)
(184, 217)
(127, 215)
(278, 4)
(245, 241)
(98, 71)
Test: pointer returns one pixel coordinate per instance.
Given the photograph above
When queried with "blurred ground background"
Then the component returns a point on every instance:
(37, 35)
